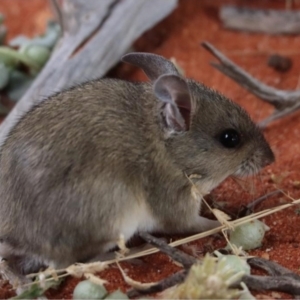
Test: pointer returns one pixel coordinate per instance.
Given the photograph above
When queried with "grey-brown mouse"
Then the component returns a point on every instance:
(113, 157)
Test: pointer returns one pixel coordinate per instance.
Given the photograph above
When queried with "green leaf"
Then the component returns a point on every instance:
(18, 84)
(19, 41)
(33, 292)
(48, 39)
(3, 110)
(36, 290)
(37, 53)
(2, 18)
(4, 76)
(11, 57)
(3, 33)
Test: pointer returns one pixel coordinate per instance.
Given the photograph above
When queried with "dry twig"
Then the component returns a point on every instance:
(285, 102)
(186, 260)
(248, 209)
(183, 258)
(292, 279)
(160, 286)
(268, 21)
(282, 279)
(271, 267)
(283, 284)
(96, 34)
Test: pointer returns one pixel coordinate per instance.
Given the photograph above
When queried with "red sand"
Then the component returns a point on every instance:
(180, 36)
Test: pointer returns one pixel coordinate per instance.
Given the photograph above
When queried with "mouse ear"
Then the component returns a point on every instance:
(174, 92)
(153, 65)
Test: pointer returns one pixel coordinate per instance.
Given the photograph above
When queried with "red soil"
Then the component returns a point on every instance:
(180, 36)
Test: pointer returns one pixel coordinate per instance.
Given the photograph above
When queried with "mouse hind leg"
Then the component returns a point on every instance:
(14, 266)
(14, 269)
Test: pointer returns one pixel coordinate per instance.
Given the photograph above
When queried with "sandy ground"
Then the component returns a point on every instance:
(180, 36)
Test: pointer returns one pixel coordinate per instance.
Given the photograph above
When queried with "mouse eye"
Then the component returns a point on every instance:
(230, 138)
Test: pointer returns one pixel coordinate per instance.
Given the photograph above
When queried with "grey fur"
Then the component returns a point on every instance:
(98, 160)
(152, 64)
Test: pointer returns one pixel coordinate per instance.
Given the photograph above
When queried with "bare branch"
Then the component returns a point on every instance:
(285, 102)
(96, 34)
(282, 279)
(271, 267)
(160, 286)
(186, 260)
(57, 11)
(279, 114)
(248, 209)
(283, 284)
(269, 21)
(276, 97)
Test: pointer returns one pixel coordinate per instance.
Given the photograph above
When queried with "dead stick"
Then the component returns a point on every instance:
(268, 21)
(285, 102)
(90, 45)
(160, 286)
(283, 284)
(248, 209)
(272, 267)
(186, 260)
(283, 281)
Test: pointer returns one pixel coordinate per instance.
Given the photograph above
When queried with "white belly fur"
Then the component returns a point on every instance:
(138, 218)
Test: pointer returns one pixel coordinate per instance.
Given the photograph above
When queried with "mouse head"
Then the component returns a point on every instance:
(208, 134)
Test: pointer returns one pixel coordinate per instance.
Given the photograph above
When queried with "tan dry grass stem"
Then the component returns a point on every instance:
(97, 266)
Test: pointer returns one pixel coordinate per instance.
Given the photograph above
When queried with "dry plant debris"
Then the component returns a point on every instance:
(281, 279)
(268, 21)
(210, 279)
(284, 281)
(91, 32)
(284, 102)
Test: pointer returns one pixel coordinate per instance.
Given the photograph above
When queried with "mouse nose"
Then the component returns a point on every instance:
(268, 157)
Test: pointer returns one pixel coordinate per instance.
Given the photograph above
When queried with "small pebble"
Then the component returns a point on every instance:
(279, 63)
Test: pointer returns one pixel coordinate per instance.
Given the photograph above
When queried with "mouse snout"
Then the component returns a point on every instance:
(268, 157)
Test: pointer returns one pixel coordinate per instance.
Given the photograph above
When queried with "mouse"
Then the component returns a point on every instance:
(111, 157)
